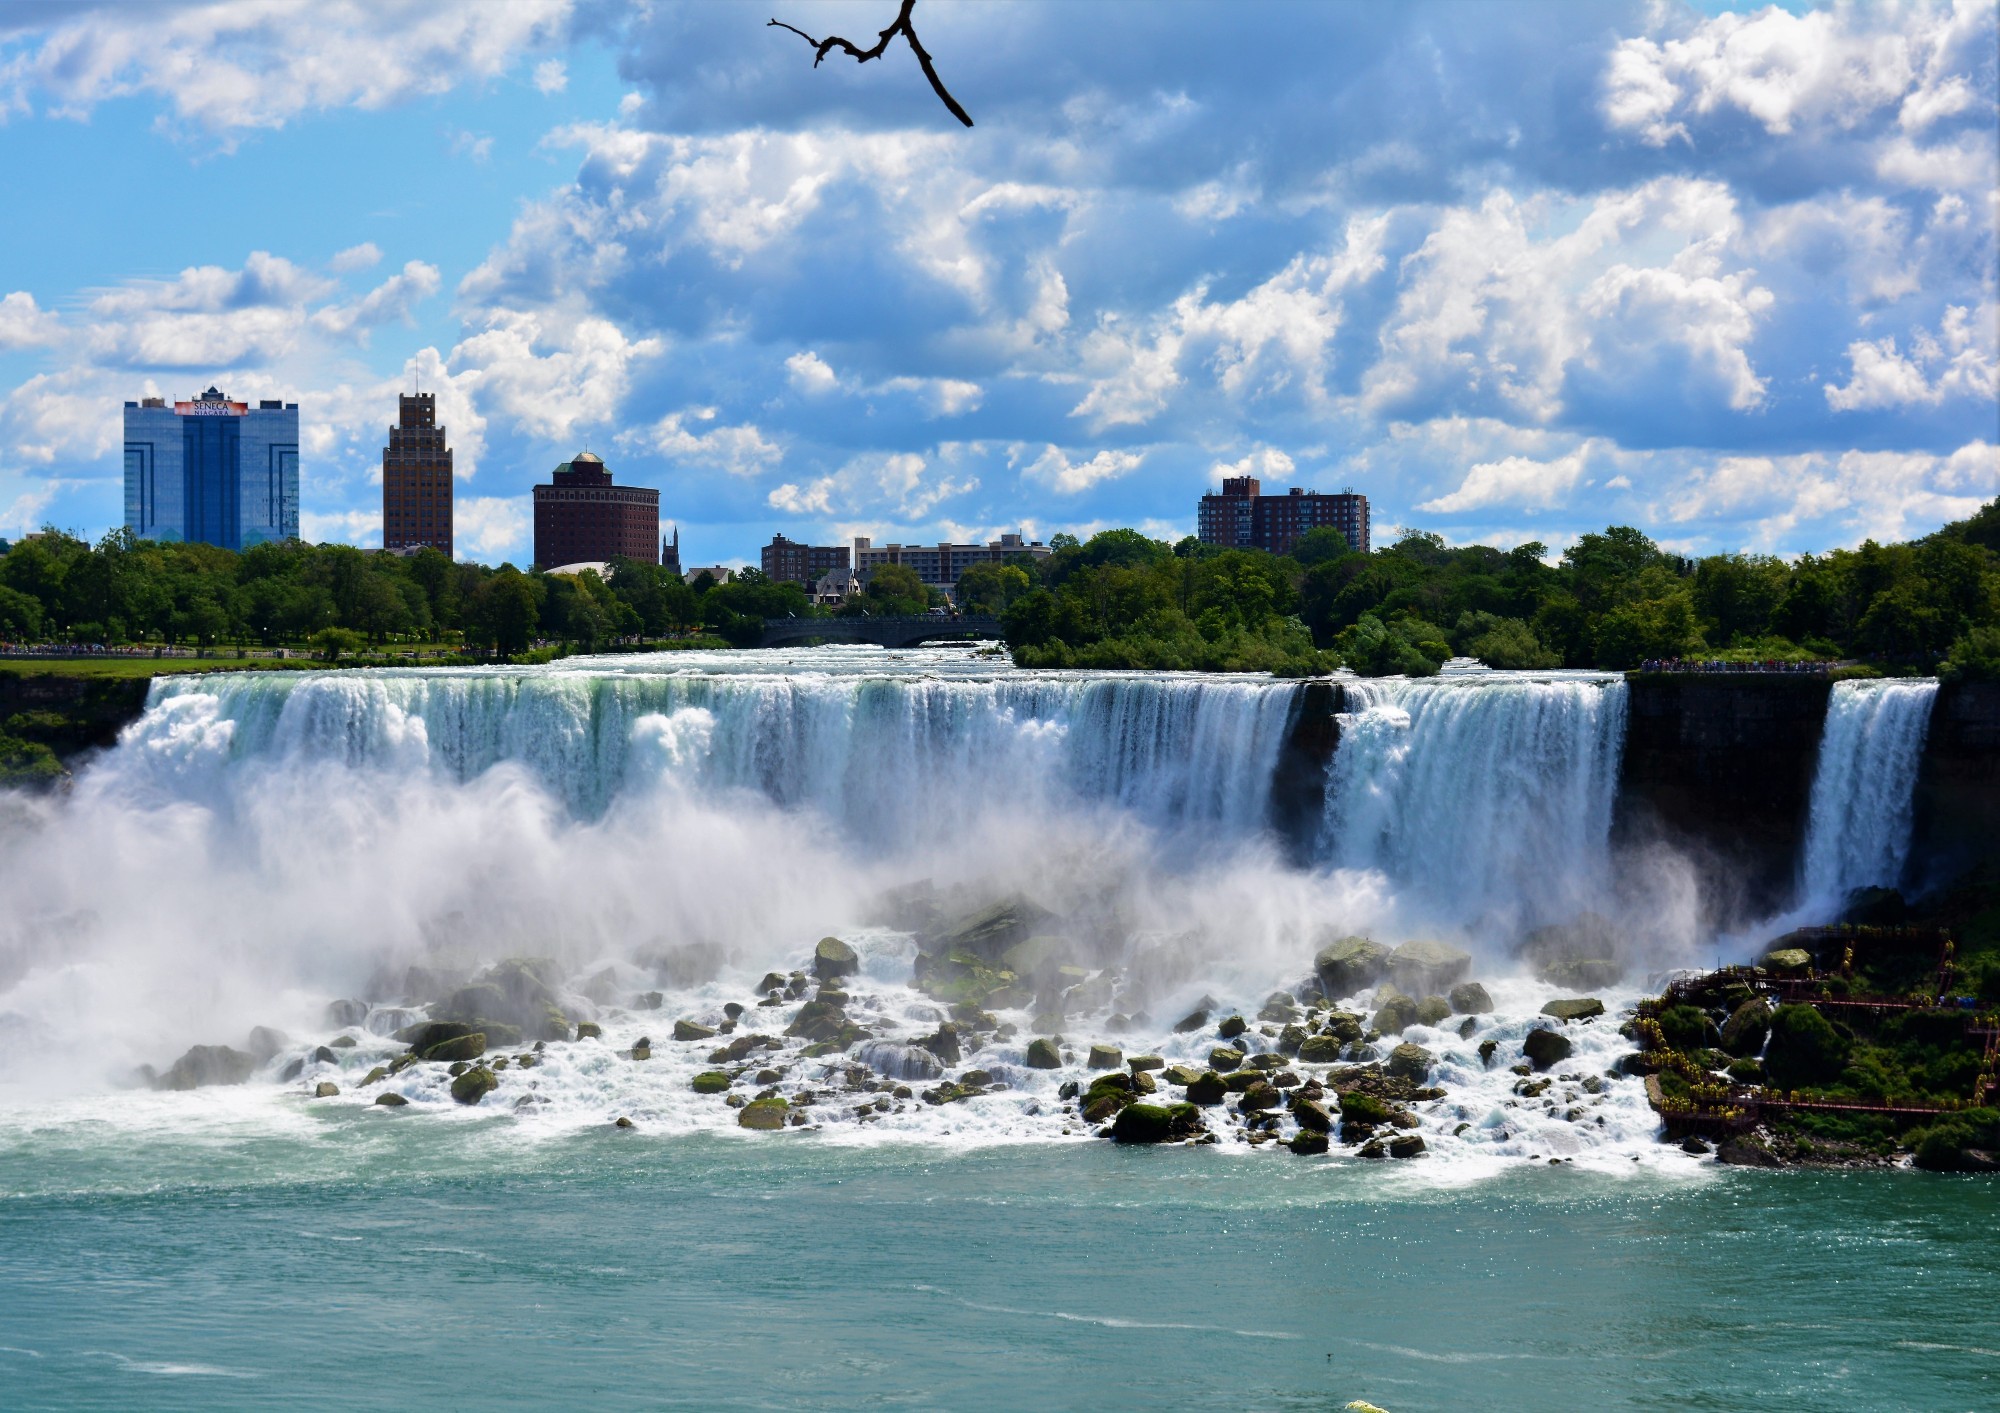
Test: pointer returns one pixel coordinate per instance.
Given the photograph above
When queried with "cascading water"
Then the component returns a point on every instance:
(1486, 799)
(1858, 833)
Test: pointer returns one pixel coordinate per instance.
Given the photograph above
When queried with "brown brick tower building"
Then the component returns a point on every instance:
(581, 518)
(416, 479)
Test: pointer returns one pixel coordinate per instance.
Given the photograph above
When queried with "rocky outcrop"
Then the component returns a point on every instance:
(1574, 1008)
(1545, 1048)
(833, 959)
(1352, 964)
(205, 1065)
(1423, 967)
(1157, 1123)
(1469, 998)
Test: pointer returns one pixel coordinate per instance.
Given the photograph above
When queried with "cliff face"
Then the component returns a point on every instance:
(1298, 795)
(1958, 789)
(68, 713)
(1722, 768)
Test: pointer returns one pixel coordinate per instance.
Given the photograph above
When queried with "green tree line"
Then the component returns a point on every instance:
(1612, 600)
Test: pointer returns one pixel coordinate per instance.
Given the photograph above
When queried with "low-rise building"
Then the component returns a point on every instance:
(940, 565)
(788, 561)
(1241, 517)
(721, 573)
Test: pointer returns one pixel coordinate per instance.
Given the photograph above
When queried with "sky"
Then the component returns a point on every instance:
(1514, 270)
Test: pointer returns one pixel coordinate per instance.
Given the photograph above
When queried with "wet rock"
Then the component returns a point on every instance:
(1308, 1142)
(1693, 1145)
(1105, 1057)
(1544, 1048)
(1467, 1027)
(944, 1044)
(893, 1060)
(1486, 1049)
(1747, 1153)
(710, 1082)
(1225, 1058)
(643, 1050)
(391, 1100)
(1259, 1096)
(1043, 1055)
(1068, 1090)
(976, 1079)
(691, 1030)
(766, 1114)
(1145, 1062)
(460, 1047)
(343, 1042)
(342, 1014)
(1583, 973)
(475, 1084)
(817, 1020)
(1207, 1089)
(1469, 998)
(324, 1056)
(622, 1122)
(1239, 1080)
(1574, 1008)
(325, 1089)
(1320, 1050)
(1748, 1026)
(1373, 1148)
(1181, 1074)
(1266, 1063)
(375, 1076)
(1786, 960)
(1407, 1145)
(1192, 1021)
(773, 981)
(1432, 1010)
(833, 958)
(208, 1064)
(1311, 1115)
(1352, 964)
(265, 1042)
(1423, 966)
(1144, 1083)
(1395, 1015)
(1231, 1027)
(1412, 1062)
(988, 934)
(1291, 1038)
(1157, 1123)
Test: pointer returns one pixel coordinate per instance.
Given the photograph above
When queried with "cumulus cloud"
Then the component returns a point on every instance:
(490, 528)
(354, 527)
(1514, 480)
(548, 373)
(810, 373)
(389, 301)
(23, 323)
(1958, 361)
(551, 76)
(356, 257)
(258, 64)
(739, 450)
(1057, 471)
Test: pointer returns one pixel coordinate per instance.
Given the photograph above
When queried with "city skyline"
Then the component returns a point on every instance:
(1726, 275)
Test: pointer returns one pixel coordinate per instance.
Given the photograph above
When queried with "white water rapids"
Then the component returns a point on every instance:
(260, 844)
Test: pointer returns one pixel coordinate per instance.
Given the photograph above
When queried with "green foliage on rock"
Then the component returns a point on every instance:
(1804, 1049)
(475, 1084)
(764, 1114)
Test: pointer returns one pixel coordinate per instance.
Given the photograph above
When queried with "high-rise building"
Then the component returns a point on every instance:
(581, 518)
(213, 470)
(788, 561)
(940, 565)
(416, 479)
(1243, 518)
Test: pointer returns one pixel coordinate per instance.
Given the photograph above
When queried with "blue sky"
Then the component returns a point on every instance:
(1515, 270)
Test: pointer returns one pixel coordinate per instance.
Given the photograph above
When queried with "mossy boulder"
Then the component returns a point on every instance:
(1469, 998)
(1225, 1058)
(1311, 1114)
(1207, 1089)
(1358, 1106)
(325, 1089)
(691, 1030)
(1567, 1009)
(1157, 1123)
(1181, 1074)
(1688, 1028)
(475, 1084)
(1395, 1015)
(1544, 1048)
(391, 1100)
(1422, 967)
(1352, 964)
(1044, 1054)
(763, 1114)
(1105, 1057)
(589, 1030)
(1748, 1026)
(1231, 1027)
(1140, 1063)
(204, 1065)
(1407, 1145)
(1308, 1143)
(1432, 1010)
(1411, 1062)
(1786, 960)
(459, 1047)
(833, 958)
(1320, 1049)
(1583, 973)
(988, 934)
(817, 1020)
(1041, 959)
(710, 1082)
(1260, 1094)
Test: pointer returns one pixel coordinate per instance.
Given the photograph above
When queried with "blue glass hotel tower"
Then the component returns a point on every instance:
(212, 470)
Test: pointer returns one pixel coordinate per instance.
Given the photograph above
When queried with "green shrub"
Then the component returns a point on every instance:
(1804, 1050)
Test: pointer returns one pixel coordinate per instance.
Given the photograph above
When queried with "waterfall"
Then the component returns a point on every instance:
(923, 750)
(1486, 799)
(1858, 833)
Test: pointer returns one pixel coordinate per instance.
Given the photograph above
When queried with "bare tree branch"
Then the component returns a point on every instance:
(823, 47)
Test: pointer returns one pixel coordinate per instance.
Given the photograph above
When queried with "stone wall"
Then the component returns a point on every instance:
(1958, 790)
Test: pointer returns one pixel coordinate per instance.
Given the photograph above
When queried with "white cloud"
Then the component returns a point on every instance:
(475, 146)
(489, 527)
(352, 527)
(1514, 480)
(1266, 463)
(1885, 495)
(810, 373)
(389, 301)
(1951, 363)
(551, 76)
(27, 513)
(23, 324)
(943, 397)
(549, 372)
(356, 257)
(813, 499)
(1066, 477)
(740, 450)
(259, 63)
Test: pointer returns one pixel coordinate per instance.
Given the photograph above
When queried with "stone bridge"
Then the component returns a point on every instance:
(887, 632)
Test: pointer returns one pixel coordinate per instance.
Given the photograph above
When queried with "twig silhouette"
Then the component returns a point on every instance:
(823, 47)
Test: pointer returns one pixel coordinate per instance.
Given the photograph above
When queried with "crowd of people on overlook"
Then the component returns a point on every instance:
(1769, 664)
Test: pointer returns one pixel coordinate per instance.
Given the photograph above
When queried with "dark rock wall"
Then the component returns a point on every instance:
(1298, 795)
(1721, 767)
(1958, 790)
(68, 713)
